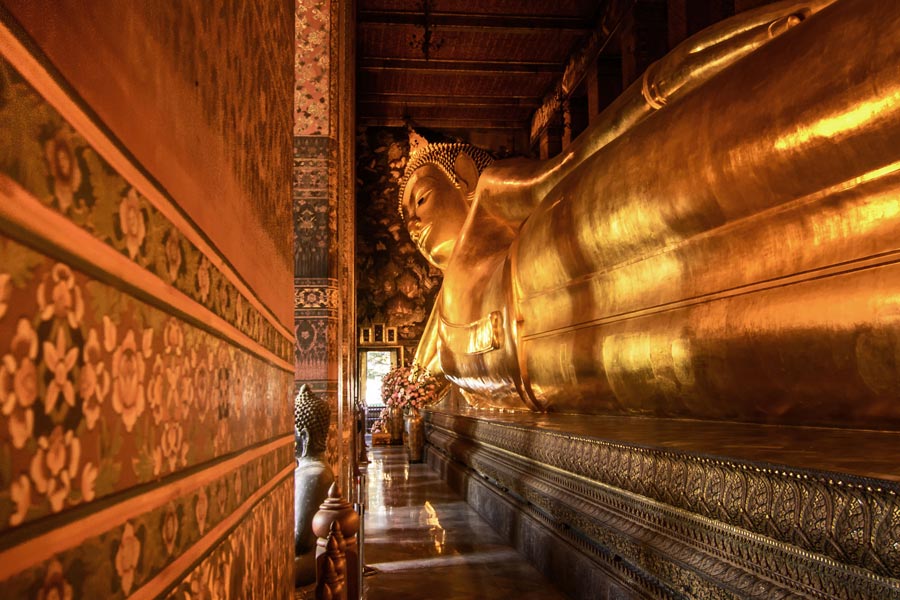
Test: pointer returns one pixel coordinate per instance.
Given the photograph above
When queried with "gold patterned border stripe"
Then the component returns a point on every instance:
(23, 210)
(43, 547)
(38, 77)
(174, 571)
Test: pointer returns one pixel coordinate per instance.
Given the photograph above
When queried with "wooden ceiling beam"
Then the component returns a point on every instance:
(440, 123)
(422, 65)
(470, 22)
(465, 101)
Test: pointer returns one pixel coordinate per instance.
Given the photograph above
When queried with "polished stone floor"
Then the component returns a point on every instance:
(428, 544)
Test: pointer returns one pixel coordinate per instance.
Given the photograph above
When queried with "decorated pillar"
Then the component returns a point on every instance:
(324, 215)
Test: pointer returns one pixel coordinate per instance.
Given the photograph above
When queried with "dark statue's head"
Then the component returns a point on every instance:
(435, 193)
(312, 416)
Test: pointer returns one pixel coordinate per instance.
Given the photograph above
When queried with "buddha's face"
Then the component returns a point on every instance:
(435, 212)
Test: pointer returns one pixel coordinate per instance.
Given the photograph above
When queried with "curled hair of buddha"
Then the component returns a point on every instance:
(443, 156)
(312, 415)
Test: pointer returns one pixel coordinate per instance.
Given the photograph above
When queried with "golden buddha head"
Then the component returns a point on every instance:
(435, 193)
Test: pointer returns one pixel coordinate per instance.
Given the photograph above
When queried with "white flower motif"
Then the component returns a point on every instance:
(60, 361)
(55, 465)
(239, 310)
(19, 384)
(63, 168)
(174, 256)
(202, 365)
(128, 371)
(203, 281)
(172, 445)
(157, 460)
(155, 391)
(55, 585)
(173, 337)
(109, 334)
(20, 494)
(223, 381)
(147, 343)
(201, 509)
(127, 557)
(170, 529)
(131, 221)
(88, 481)
(183, 387)
(65, 300)
(5, 292)
(221, 497)
(94, 381)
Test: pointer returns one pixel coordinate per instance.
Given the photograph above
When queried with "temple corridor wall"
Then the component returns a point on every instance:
(323, 216)
(146, 335)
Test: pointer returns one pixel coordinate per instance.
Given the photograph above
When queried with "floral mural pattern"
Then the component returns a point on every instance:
(395, 284)
(246, 81)
(106, 400)
(311, 67)
(43, 154)
(100, 391)
(119, 561)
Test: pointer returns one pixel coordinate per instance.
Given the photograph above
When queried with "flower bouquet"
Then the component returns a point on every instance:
(402, 390)
(409, 387)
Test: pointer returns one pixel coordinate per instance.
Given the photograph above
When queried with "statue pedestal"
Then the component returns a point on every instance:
(395, 424)
(651, 507)
(415, 436)
(381, 439)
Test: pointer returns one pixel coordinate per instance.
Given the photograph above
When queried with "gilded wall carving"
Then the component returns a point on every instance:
(395, 284)
(793, 527)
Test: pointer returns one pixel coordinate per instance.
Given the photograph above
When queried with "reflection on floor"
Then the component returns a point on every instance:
(428, 544)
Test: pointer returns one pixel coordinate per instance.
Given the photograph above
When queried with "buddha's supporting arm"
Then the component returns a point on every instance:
(427, 352)
(512, 189)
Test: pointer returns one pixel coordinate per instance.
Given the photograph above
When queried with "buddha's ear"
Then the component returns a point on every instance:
(466, 173)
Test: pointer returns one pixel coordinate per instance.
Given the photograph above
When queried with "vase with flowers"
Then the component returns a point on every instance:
(406, 389)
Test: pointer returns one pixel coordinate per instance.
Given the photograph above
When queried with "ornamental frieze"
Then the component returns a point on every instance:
(849, 521)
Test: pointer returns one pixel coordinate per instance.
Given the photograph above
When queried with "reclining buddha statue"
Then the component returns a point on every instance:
(723, 243)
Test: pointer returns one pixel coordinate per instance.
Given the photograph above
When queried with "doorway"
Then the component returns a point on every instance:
(374, 364)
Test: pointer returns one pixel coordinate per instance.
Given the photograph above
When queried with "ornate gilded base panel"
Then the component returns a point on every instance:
(679, 524)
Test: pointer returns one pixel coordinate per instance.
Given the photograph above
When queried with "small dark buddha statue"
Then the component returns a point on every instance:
(312, 478)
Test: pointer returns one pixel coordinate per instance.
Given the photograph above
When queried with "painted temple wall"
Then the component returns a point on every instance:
(145, 354)
(324, 217)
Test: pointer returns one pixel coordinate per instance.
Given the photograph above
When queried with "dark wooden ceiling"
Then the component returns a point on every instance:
(489, 65)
